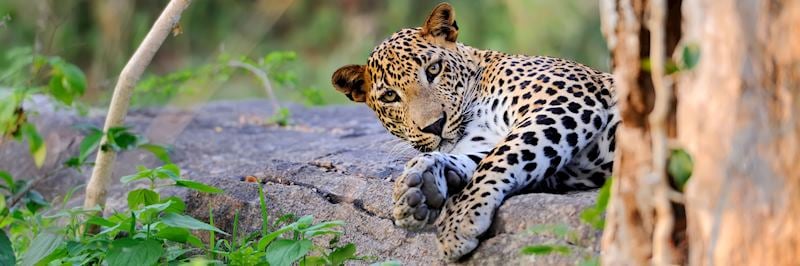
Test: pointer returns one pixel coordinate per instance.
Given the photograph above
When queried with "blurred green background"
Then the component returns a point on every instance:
(319, 36)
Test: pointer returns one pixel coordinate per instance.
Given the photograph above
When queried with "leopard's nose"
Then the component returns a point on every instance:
(435, 128)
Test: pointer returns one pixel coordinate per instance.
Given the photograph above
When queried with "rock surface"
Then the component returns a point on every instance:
(332, 162)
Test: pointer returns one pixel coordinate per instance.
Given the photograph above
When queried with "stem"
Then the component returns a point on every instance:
(101, 174)
(262, 76)
(211, 236)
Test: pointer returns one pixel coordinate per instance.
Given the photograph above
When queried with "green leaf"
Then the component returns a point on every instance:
(134, 252)
(35, 201)
(604, 195)
(690, 56)
(89, 144)
(313, 261)
(120, 139)
(170, 171)
(177, 234)
(73, 162)
(59, 253)
(594, 215)
(5, 176)
(680, 167)
(176, 204)
(44, 244)
(343, 254)
(183, 221)
(158, 151)
(36, 144)
(545, 249)
(58, 91)
(73, 79)
(264, 214)
(97, 220)
(281, 117)
(69, 194)
(142, 196)
(284, 252)
(6, 250)
(197, 186)
(149, 210)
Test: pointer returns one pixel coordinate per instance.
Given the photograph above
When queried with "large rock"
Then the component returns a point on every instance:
(333, 163)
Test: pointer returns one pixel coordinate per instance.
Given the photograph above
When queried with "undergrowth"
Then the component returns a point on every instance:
(154, 229)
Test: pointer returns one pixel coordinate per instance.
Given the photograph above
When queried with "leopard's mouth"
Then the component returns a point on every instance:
(440, 144)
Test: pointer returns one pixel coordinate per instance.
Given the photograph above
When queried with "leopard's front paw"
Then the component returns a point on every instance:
(420, 192)
(465, 218)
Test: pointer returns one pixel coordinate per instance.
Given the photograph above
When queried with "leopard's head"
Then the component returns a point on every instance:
(414, 81)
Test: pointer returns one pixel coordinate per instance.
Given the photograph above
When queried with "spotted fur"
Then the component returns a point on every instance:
(489, 124)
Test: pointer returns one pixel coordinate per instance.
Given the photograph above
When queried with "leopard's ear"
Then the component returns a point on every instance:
(441, 23)
(349, 80)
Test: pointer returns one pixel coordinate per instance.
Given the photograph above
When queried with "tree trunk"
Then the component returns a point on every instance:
(739, 116)
(737, 113)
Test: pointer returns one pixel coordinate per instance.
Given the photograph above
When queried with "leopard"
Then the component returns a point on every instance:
(488, 125)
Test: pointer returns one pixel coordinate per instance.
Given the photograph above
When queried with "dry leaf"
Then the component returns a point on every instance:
(177, 30)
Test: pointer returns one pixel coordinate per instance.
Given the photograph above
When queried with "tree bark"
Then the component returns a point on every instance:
(640, 224)
(737, 113)
(739, 116)
(118, 108)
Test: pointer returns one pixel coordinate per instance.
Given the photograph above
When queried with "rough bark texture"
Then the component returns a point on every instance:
(640, 221)
(739, 116)
(737, 113)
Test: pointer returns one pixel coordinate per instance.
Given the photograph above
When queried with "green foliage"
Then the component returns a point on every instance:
(680, 167)
(67, 81)
(154, 229)
(690, 56)
(7, 256)
(120, 139)
(134, 252)
(36, 144)
(545, 249)
(284, 252)
(21, 80)
(277, 66)
(594, 216)
(281, 117)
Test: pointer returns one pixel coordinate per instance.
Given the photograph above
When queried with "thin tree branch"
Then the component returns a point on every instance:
(118, 108)
(262, 76)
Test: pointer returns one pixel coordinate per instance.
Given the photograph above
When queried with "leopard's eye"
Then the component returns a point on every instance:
(433, 70)
(389, 97)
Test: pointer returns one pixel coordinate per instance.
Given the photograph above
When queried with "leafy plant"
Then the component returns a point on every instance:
(593, 216)
(690, 57)
(290, 242)
(21, 80)
(117, 139)
(281, 117)
(680, 167)
(154, 229)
